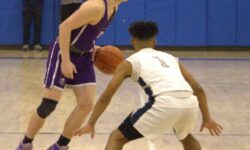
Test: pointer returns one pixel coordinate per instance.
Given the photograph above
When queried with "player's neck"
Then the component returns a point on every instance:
(140, 47)
(144, 44)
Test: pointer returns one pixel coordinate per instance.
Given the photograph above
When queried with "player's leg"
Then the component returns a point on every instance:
(52, 93)
(116, 140)
(135, 126)
(47, 106)
(85, 96)
(184, 127)
(84, 87)
(190, 143)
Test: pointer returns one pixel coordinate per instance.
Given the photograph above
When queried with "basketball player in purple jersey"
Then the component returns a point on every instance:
(70, 62)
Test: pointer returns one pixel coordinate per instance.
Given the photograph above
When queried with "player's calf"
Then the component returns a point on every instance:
(116, 141)
(190, 143)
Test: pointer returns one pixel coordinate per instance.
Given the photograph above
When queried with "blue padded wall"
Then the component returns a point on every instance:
(221, 22)
(243, 23)
(127, 13)
(108, 38)
(164, 13)
(11, 22)
(181, 22)
(190, 22)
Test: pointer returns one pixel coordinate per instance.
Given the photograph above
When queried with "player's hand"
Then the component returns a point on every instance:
(68, 69)
(96, 48)
(213, 127)
(85, 130)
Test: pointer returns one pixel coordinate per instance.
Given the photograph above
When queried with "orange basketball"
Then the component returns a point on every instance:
(107, 58)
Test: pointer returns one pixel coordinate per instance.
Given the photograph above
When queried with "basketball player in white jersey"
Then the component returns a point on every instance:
(174, 96)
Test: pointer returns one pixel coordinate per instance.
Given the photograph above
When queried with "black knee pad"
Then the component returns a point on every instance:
(46, 107)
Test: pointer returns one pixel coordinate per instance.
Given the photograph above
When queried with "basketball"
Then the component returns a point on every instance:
(107, 58)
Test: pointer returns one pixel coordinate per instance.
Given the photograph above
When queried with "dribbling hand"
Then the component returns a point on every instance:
(96, 48)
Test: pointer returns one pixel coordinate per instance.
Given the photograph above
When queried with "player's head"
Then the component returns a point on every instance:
(143, 34)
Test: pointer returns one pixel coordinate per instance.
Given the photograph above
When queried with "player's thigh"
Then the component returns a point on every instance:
(186, 123)
(85, 95)
(53, 94)
(156, 122)
(151, 123)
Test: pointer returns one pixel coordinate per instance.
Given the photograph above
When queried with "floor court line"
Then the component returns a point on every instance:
(103, 133)
(181, 58)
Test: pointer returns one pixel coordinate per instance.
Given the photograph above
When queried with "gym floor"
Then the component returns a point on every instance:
(224, 75)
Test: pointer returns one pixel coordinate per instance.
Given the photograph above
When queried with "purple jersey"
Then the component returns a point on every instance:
(84, 37)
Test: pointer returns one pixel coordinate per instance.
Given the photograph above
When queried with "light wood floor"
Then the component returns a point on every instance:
(227, 83)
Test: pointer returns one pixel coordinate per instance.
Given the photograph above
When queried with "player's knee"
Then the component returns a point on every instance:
(86, 107)
(46, 107)
(116, 135)
(190, 143)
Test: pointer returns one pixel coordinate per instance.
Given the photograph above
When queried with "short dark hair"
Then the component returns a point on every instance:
(143, 30)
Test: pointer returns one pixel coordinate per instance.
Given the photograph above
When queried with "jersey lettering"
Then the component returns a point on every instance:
(163, 63)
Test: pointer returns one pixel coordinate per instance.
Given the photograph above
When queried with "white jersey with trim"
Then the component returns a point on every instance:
(160, 71)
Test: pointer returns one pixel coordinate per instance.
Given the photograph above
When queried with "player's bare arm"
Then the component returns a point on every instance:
(213, 127)
(89, 13)
(198, 91)
(123, 71)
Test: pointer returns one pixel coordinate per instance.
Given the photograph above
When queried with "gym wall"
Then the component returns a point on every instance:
(181, 22)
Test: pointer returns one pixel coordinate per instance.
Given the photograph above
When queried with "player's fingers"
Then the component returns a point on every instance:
(211, 132)
(202, 127)
(218, 129)
(71, 76)
(65, 74)
(74, 69)
(216, 132)
(93, 55)
(75, 133)
(220, 126)
(92, 134)
(81, 131)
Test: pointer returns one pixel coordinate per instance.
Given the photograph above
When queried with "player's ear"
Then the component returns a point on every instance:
(155, 42)
(132, 42)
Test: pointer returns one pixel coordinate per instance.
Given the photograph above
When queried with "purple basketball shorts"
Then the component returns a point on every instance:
(54, 77)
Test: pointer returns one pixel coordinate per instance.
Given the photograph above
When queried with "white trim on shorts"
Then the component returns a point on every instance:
(52, 52)
(81, 85)
(56, 70)
(58, 88)
(55, 87)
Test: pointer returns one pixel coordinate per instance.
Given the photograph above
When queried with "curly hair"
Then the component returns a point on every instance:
(143, 30)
